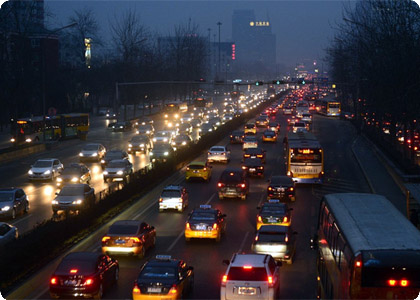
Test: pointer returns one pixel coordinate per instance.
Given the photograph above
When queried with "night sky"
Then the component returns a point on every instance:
(303, 28)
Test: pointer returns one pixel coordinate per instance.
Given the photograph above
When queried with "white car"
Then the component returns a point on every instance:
(251, 276)
(218, 154)
(300, 127)
(306, 118)
(45, 169)
(249, 142)
(92, 152)
(173, 197)
(163, 136)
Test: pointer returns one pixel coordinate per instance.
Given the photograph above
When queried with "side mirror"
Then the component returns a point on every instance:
(314, 242)
(226, 262)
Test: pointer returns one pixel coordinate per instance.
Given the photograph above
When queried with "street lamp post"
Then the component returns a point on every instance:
(218, 66)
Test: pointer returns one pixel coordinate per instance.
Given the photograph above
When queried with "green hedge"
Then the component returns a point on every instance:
(33, 250)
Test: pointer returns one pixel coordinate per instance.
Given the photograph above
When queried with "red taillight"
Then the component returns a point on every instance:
(291, 189)
(243, 185)
(220, 184)
(54, 280)
(358, 263)
(89, 281)
(270, 280)
(244, 167)
(105, 239)
(247, 267)
(392, 282)
(259, 219)
(224, 280)
(73, 271)
(187, 226)
(135, 239)
(136, 289)
(404, 282)
(270, 188)
(160, 199)
(214, 226)
(285, 219)
(173, 290)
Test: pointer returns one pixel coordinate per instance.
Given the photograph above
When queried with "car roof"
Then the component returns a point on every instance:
(255, 260)
(88, 256)
(172, 187)
(273, 228)
(127, 222)
(282, 179)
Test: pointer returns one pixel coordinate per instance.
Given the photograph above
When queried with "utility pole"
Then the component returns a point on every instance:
(218, 68)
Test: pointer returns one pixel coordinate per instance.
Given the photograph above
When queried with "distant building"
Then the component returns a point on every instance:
(255, 43)
(227, 60)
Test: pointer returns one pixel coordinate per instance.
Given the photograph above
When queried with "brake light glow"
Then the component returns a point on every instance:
(136, 289)
(404, 282)
(73, 271)
(270, 188)
(89, 281)
(392, 282)
(214, 226)
(187, 226)
(291, 189)
(285, 219)
(259, 219)
(160, 199)
(173, 290)
(243, 185)
(135, 239)
(247, 267)
(224, 279)
(358, 263)
(270, 280)
(53, 280)
(220, 184)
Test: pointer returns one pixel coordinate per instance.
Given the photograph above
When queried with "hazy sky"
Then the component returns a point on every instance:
(303, 28)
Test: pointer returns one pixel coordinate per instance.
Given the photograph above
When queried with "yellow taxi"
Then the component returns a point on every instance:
(198, 169)
(205, 223)
(164, 278)
(274, 212)
(269, 136)
(250, 128)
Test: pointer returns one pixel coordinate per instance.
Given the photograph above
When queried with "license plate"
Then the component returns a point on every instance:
(280, 190)
(252, 169)
(120, 242)
(195, 171)
(247, 291)
(253, 156)
(271, 220)
(201, 227)
(70, 282)
(154, 290)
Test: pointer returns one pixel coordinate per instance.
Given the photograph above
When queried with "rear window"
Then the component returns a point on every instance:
(203, 216)
(158, 272)
(218, 149)
(196, 167)
(231, 177)
(83, 267)
(123, 229)
(253, 274)
(170, 194)
(249, 126)
(271, 237)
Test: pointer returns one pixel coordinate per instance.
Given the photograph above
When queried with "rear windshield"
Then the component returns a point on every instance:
(158, 272)
(253, 274)
(83, 267)
(170, 194)
(195, 167)
(218, 149)
(123, 229)
(271, 237)
(231, 177)
(203, 216)
(249, 126)
(276, 209)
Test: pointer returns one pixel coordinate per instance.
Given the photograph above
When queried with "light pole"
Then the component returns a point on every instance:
(43, 56)
(218, 66)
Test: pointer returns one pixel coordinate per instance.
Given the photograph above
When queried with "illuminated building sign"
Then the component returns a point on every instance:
(259, 23)
(233, 51)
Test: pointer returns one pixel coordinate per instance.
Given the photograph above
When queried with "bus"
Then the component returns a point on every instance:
(304, 158)
(366, 249)
(330, 107)
(59, 127)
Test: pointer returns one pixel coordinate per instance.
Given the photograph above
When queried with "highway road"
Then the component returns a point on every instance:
(298, 281)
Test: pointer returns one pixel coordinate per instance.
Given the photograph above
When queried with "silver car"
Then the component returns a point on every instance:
(278, 241)
(118, 169)
(45, 169)
(173, 197)
(141, 143)
(218, 154)
(12, 202)
(7, 233)
(74, 197)
(92, 152)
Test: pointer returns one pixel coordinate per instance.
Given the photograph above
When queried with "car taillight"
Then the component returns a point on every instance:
(243, 167)
(224, 280)
(270, 188)
(270, 281)
(88, 281)
(173, 290)
(242, 185)
(259, 155)
(136, 289)
(105, 239)
(135, 239)
(259, 219)
(261, 168)
(220, 184)
(291, 189)
(285, 219)
(187, 226)
(214, 226)
(404, 282)
(160, 199)
(54, 280)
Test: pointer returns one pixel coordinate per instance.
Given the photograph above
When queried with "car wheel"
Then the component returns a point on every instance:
(26, 209)
(100, 292)
(116, 275)
(14, 213)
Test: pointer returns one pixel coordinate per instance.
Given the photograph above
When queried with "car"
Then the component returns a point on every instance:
(92, 151)
(13, 201)
(122, 126)
(281, 187)
(250, 128)
(287, 110)
(291, 120)
(299, 127)
(163, 136)
(129, 237)
(173, 197)
(74, 173)
(237, 137)
(206, 128)
(205, 223)
(161, 152)
(146, 129)
(233, 184)
(251, 276)
(145, 120)
(215, 121)
(118, 169)
(45, 169)
(274, 126)
(185, 118)
(196, 123)
(139, 143)
(262, 121)
(8, 233)
(181, 141)
(113, 155)
(218, 154)
(306, 118)
(164, 277)
(253, 167)
(198, 169)
(255, 153)
(227, 117)
(269, 136)
(74, 197)
(274, 212)
(86, 274)
(111, 125)
(110, 115)
(277, 241)
(185, 128)
(347, 115)
(249, 142)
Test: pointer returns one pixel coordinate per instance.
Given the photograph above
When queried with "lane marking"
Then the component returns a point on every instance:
(261, 200)
(22, 219)
(145, 210)
(176, 241)
(243, 241)
(210, 199)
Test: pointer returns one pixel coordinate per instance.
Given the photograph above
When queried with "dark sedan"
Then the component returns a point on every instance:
(253, 167)
(281, 187)
(84, 274)
(74, 197)
(12, 202)
(237, 137)
(75, 173)
(113, 155)
(233, 184)
(255, 153)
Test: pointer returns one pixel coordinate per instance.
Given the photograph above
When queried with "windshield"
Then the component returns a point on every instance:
(158, 272)
(91, 148)
(42, 164)
(203, 216)
(71, 191)
(123, 229)
(6, 197)
(170, 194)
(71, 171)
(232, 177)
(302, 156)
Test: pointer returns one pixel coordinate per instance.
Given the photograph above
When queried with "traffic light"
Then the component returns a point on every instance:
(278, 81)
(301, 81)
(258, 83)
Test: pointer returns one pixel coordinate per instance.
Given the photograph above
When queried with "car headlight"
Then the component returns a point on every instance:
(30, 172)
(165, 139)
(6, 208)
(147, 131)
(137, 132)
(95, 154)
(184, 143)
(78, 201)
(120, 172)
(142, 145)
(59, 179)
(102, 161)
(74, 179)
(105, 172)
(166, 116)
(28, 140)
(54, 202)
(151, 153)
(176, 116)
(173, 143)
(166, 153)
(81, 154)
(154, 139)
(13, 140)
(47, 172)
(130, 145)
(121, 127)
(210, 129)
